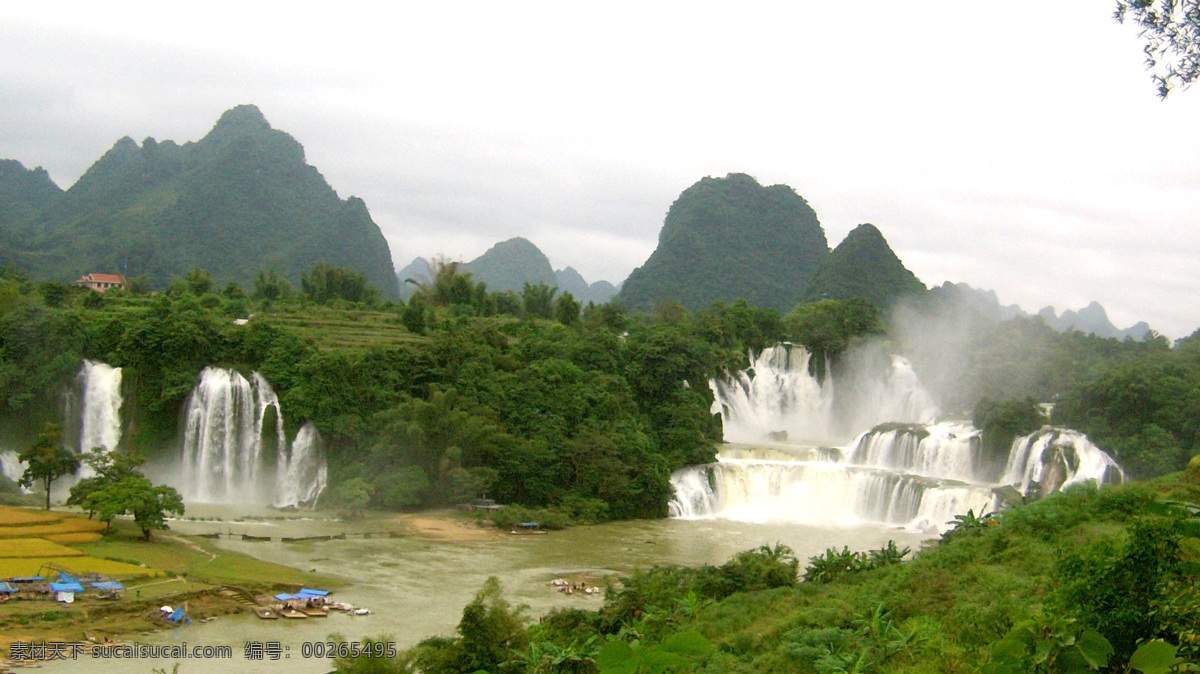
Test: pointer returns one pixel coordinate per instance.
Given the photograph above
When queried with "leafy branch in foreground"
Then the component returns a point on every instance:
(1171, 29)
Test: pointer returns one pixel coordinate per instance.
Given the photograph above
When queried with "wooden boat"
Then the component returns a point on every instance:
(291, 613)
(265, 613)
(314, 612)
(248, 537)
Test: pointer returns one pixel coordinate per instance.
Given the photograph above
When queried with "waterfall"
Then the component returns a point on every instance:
(225, 430)
(11, 467)
(99, 409)
(906, 471)
(1054, 458)
(301, 475)
(777, 400)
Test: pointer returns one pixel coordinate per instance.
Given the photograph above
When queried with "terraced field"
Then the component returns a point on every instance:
(355, 331)
(31, 541)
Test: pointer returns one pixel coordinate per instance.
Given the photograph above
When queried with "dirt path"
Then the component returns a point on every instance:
(189, 545)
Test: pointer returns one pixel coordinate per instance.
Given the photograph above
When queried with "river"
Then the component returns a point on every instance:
(417, 587)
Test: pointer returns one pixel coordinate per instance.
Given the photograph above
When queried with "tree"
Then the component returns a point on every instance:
(48, 460)
(148, 503)
(109, 467)
(354, 495)
(537, 300)
(828, 327)
(491, 629)
(324, 283)
(1171, 29)
(198, 281)
(566, 310)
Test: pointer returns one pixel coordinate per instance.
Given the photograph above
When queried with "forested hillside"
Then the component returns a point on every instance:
(510, 264)
(239, 200)
(863, 265)
(728, 239)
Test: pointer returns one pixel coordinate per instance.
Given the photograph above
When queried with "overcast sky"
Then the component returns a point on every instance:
(1017, 146)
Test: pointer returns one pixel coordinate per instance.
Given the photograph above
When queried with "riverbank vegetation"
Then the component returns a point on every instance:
(1084, 580)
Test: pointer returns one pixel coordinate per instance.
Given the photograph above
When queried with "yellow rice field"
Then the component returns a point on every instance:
(75, 537)
(35, 547)
(81, 565)
(11, 516)
(68, 525)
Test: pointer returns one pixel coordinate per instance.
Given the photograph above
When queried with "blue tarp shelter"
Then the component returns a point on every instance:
(29, 579)
(108, 586)
(7, 588)
(313, 593)
(178, 616)
(66, 587)
(283, 596)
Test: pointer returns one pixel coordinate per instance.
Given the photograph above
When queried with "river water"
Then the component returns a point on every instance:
(417, 588)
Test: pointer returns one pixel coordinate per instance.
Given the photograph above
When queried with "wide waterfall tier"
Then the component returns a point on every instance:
(913, 476)
(235, 449)
(777, 399)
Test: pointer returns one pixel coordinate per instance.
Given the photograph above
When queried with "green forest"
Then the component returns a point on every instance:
(578, 414)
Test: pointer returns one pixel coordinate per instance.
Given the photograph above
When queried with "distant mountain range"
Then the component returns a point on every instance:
(241, 199)
(508, 266)
(1092, 319)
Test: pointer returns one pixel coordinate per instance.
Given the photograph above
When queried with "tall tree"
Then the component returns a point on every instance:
(47, 459)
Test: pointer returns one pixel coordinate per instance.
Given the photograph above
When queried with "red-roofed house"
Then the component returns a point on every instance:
(102, 282)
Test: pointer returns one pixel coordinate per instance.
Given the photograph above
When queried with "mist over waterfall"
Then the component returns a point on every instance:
(777, 399)
(863, 448)
(235, 449)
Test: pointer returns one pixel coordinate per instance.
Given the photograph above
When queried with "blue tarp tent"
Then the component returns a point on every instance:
(108, 586)
(178, 616)
(66, 587)
(29, 579)
(6, 588)
(313, 593)
(283, 596)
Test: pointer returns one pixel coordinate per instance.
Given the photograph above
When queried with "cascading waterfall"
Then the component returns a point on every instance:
(99, 402)
(908, 472)
(1055, 458)
(223, 458)
(778, 400)
(302, 473)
